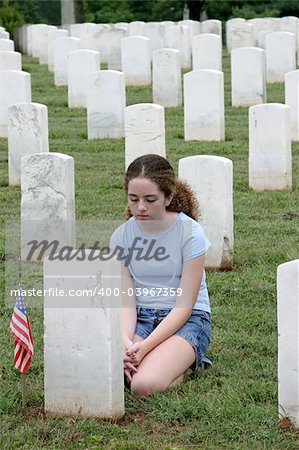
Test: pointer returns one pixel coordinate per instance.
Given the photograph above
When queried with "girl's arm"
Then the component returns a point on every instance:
(128, 310)
(128, 320)
(190, 285)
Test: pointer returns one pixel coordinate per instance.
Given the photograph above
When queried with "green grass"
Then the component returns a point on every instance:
(234, 404)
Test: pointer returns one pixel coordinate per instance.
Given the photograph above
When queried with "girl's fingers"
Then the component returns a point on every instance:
(130, 367)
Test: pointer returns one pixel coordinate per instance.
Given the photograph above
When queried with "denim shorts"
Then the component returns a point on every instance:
(196, 331)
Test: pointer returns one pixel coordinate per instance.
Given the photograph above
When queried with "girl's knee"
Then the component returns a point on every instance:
(143, 386)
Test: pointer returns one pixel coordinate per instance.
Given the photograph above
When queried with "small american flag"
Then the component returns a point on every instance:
(21, 332)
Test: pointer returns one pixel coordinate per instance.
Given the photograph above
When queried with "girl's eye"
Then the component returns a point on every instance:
(134, 200)
(150, 200)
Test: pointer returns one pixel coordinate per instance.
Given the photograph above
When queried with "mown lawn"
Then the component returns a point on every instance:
(234, 404)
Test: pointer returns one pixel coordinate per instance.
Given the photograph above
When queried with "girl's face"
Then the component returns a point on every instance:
(146, 201)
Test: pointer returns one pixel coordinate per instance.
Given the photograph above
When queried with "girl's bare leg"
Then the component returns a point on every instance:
(163, 367)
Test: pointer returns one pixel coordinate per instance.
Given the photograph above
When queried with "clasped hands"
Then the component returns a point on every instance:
(133, 354)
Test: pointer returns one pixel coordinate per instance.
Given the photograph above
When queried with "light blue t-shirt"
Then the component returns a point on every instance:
(156, 261)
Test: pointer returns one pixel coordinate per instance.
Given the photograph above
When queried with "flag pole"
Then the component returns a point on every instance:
(23, 387)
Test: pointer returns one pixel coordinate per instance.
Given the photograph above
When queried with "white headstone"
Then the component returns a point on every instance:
(258, 24)
(43, 45)
(48, 202)
(4, 34)
(291, 24)
(29, 39)
(10, 60)
(292, 100)
(212, 26)
(124, 25)
(207, 52)
(38, 31)
(136, 60)
(81, 30)
(23, 40)
(27, 134)
(80, 64)
(194, 28)
(7, 44)
(270, 24)
(62, 47)
(144, 131)
(52, 36)
(211, 178)
(82, 340)
(106, 101)
(15, 87)
(114, 52)
(89, 38)
(136, 28)
(248, 76)
(280, 55)
(178, 38)
(288, 340)
(100, 41)
(241, 35)
(229, 24)
(167, 78)
(155, 31)
(270, 158)
(204, 105)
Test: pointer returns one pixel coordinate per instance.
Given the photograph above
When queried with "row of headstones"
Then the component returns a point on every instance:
(51, 178)
(280, 53)
(270, 160)
(33, 39)
(248, 69)
(203, 98)
(274, 62)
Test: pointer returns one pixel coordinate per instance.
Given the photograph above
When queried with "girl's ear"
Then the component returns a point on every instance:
(169, 200)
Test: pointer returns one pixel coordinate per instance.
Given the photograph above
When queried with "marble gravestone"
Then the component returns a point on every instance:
(270, 157)
(212, 26)
(136, 48)
(288, 340)
(211, 178)
(136, 28)
(83, 363)
(43, 44)
(167, 78)
(15, 87)
(280, 55)
(204, 105)
(106, 101)
(156, 32)
(144, 131)
(53, 35)
(27, 134)
(62, 47)
(47, 202)
(80, 64)
(292, 100)
(114, 47)
(10, 60)
(248, 76)
(178, 38)
(207, 52)
(7, 44)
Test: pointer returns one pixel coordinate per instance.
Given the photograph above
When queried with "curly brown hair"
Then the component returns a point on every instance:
(157, 169)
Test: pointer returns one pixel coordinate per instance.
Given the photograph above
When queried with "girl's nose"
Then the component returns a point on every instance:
(142, 206)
